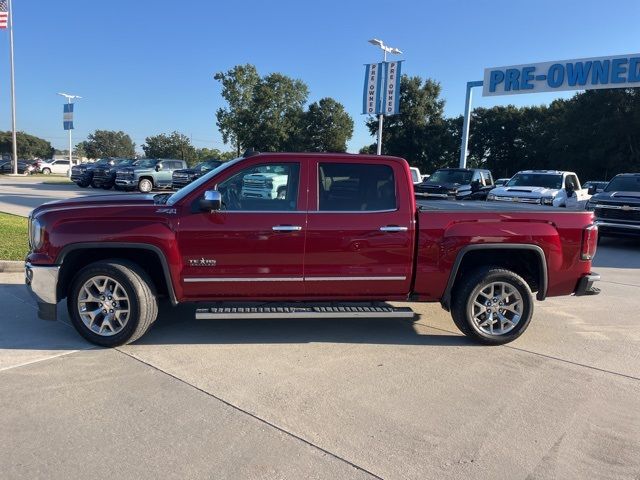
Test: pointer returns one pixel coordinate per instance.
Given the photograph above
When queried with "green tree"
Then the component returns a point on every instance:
(28, 146)
(213, 153)
(264, 113)
(238, 86)
(326, 127)
(108, 143)
(174, 145)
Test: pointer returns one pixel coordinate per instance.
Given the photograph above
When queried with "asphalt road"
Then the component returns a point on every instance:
(19, 195)
(332, 398)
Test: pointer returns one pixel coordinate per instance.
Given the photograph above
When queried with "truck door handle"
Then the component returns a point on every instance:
(393, 228)
(286, 228)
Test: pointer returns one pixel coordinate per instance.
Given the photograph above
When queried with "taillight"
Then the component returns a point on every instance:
(589, 242)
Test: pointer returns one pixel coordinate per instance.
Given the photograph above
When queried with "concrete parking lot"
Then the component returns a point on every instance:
(329, 399)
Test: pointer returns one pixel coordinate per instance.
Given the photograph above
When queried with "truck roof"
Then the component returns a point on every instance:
(546, 172)
(268, 156)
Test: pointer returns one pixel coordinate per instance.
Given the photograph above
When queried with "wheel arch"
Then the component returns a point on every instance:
(150, 258)
(531, 264)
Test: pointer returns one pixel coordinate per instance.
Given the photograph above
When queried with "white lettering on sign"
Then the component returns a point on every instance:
(371, 101)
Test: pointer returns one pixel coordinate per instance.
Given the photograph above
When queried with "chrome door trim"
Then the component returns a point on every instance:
(353, 279)
(242, 279)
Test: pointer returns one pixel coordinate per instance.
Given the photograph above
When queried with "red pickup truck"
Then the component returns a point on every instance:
(343, 237)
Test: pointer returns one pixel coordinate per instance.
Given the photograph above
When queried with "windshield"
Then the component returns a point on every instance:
(624, 184)
(206, 166)
(186, 190)
(124, 163)
(462, 177)
(543, 180)
(145, 163)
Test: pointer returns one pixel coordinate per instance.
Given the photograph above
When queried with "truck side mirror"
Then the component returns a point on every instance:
(158, 167)
(475, 186)
(211, 202)
(592, 190)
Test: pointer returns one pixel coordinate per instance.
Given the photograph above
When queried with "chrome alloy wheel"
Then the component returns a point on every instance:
(496, 308)
(103, 305)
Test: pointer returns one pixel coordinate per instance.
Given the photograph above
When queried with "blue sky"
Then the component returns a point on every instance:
(147, 67)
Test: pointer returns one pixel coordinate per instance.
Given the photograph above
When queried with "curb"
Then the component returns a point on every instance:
(11, 266)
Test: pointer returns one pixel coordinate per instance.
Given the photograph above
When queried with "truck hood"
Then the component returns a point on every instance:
(626, 198)
(91, 202)
(529, 192)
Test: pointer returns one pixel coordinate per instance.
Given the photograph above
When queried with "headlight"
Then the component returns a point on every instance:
(36, 234)
(546, 200)
(491, 196)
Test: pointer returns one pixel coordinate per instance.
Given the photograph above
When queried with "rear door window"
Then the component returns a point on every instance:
(356, 187)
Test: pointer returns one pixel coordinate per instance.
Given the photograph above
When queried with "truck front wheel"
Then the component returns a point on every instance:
(112, 302)
(492, 305)
(145, 185)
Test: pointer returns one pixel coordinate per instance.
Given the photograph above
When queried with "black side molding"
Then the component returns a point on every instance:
(543, 280)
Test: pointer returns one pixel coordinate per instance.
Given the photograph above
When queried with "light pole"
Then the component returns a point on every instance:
(385, 49)
(69, 98)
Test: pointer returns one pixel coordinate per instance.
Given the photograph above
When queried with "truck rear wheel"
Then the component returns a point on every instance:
(492, 305)
(112, 302)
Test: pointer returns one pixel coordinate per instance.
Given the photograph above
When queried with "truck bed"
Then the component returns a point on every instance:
(485, 207)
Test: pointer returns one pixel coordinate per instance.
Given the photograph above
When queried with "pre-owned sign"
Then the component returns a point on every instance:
(618, 71)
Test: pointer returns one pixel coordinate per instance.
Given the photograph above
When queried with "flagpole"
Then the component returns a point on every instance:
(13, 92)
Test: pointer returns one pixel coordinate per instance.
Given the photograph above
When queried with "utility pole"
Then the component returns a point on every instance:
(69, 98)
(385, 49)
(14, 151)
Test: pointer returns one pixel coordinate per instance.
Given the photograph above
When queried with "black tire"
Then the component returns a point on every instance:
(143, 303)
(82, 184)
(106, 186)
(466, 291)
(144, 184)
(46, 171)
(94, 184)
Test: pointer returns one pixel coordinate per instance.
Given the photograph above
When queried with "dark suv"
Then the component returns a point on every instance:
(104, 176)
(617, 208)
(148, 173)
(456, 183)
(188, 175)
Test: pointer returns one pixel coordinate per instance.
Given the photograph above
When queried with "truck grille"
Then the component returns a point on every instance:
(124, 175)
(617, 213)
(254, 183)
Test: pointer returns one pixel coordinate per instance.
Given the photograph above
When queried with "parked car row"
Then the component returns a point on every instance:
(616, 203)
(144, 175)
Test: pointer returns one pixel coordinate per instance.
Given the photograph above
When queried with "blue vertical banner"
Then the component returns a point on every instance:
(67, 116)
(371, 97)
(392, 74)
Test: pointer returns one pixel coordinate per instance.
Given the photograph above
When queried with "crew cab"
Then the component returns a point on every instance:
(538, 187)
(617, 208)
(347, 236)
(457, 184)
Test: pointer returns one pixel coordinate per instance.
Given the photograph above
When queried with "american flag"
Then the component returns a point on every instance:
(4, 14)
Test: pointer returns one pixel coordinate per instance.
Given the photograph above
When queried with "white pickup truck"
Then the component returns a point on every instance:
(538, 186)
(264, 185)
